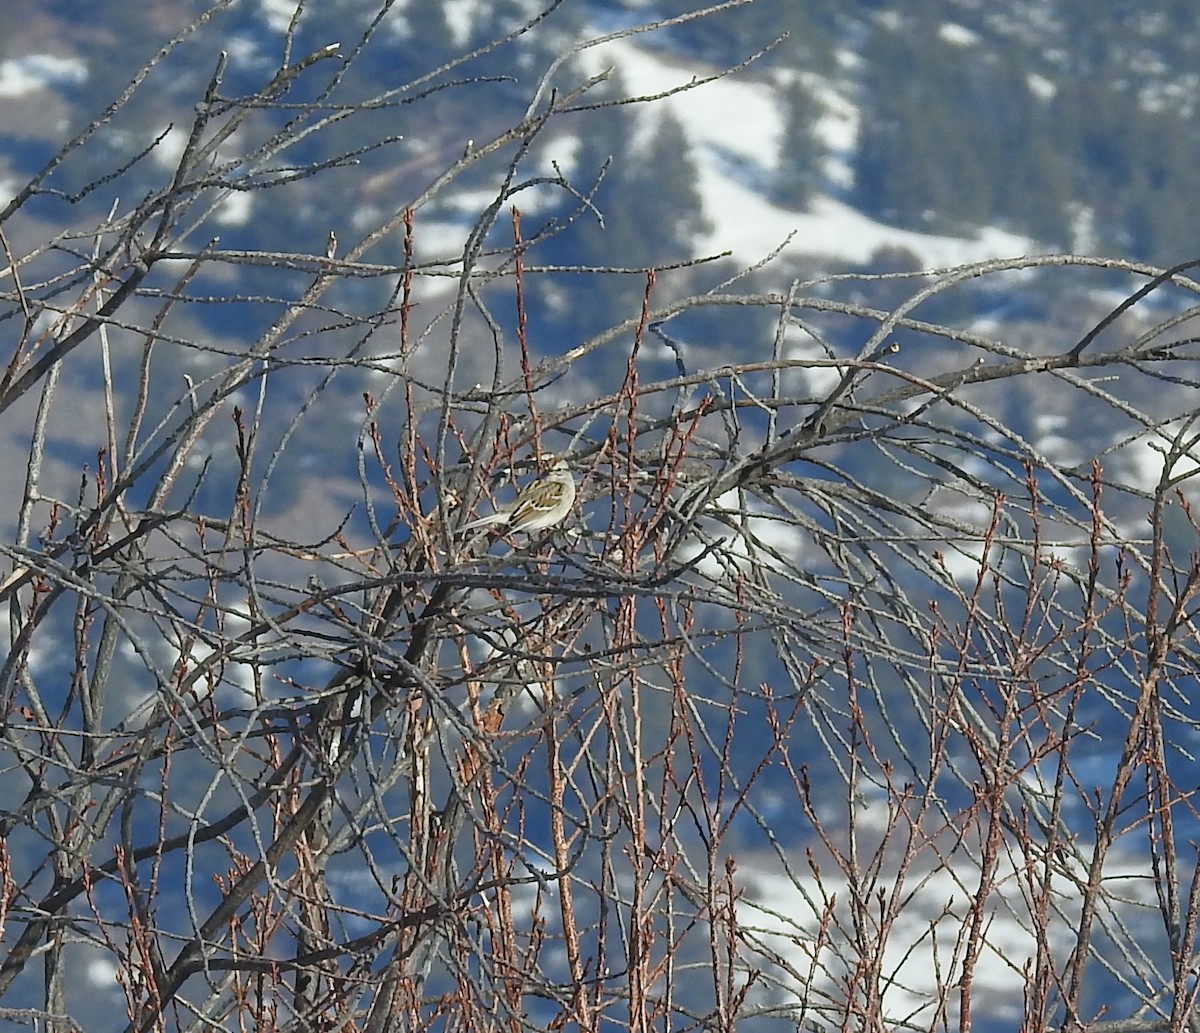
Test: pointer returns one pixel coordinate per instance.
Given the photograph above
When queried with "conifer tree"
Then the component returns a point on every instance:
(646, 209)
(798, 172)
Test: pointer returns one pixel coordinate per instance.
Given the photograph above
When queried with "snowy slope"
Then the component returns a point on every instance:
(734, 125)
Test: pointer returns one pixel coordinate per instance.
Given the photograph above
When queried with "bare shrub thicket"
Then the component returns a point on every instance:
(855, 693)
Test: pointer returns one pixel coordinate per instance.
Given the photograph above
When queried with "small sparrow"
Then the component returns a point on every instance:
(543, 502)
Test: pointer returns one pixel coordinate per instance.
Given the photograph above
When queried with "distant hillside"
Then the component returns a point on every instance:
(1064, 122)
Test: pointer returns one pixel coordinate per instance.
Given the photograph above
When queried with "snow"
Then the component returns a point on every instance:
(460, 19)
(278, 14)
(922, 946)
(1040, 86)
(734, 125)
(752, 227)
(957, 35)
(22, 75)
(463, 17)
(730, 114)
(1145, 457)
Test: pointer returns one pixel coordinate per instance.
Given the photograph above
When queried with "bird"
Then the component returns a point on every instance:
(543, 502)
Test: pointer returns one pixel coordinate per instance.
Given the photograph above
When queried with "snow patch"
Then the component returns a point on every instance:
(735, 124)
(22, 75)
